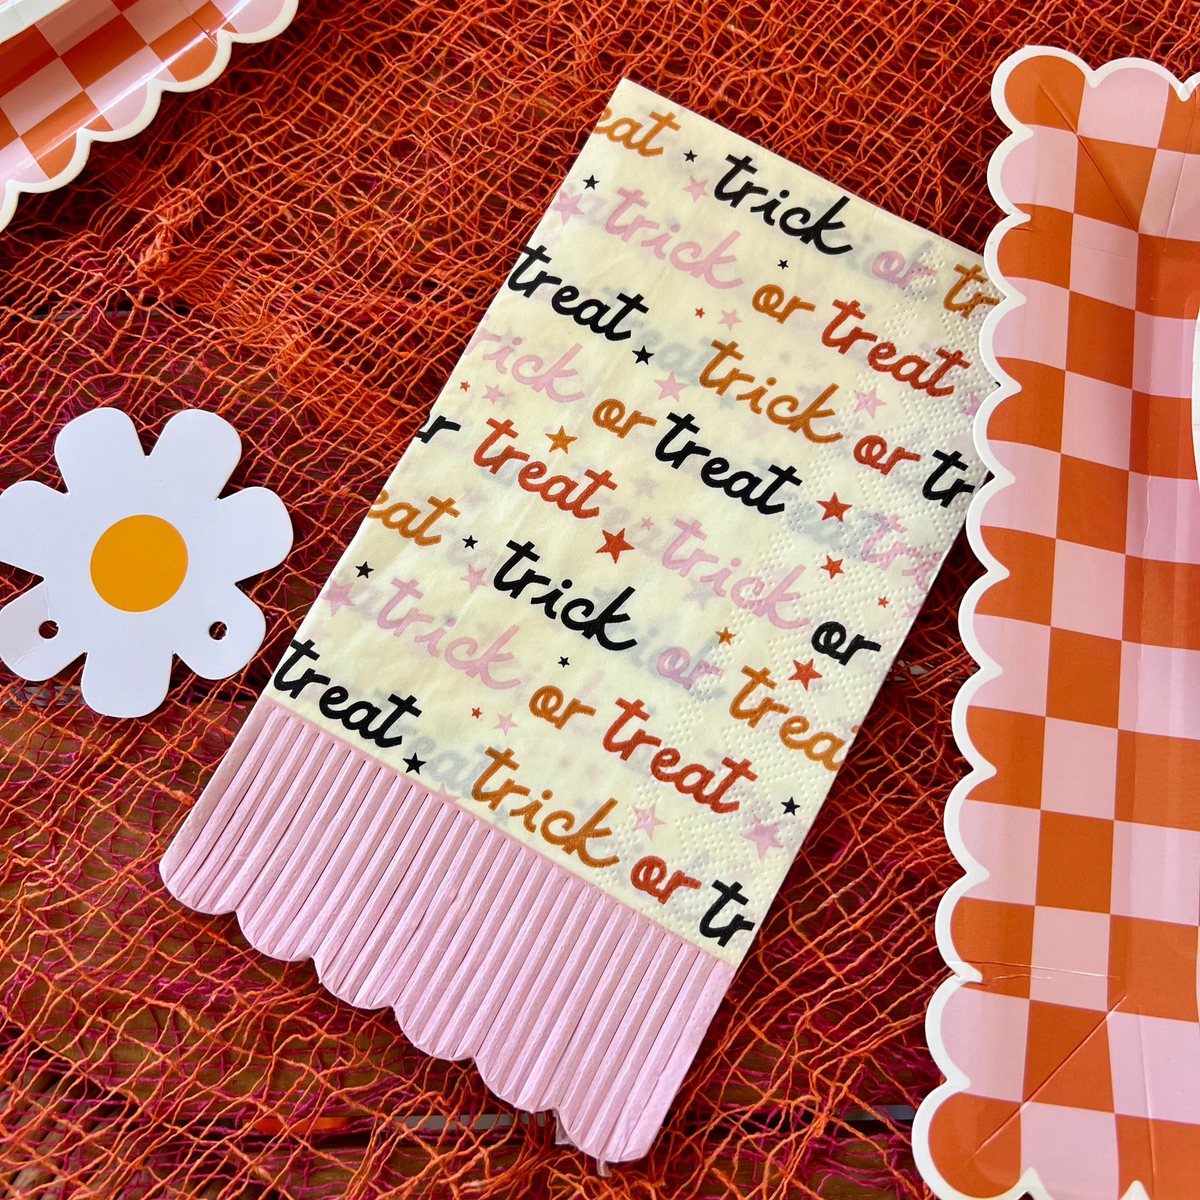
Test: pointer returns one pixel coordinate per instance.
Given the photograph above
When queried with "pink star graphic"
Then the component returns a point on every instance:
(868, 402)
(505, 724)
(338, 595)
(647, 821)
(647, 523)
(697, 188)
(701, 593)
(670, 387)
(888, 524)
(972, 405)
(474, 577)
(492, 393)
(729, 318)
(444, 796)
(763, 836)
(911, 610)
(407, 588)
(566, 205)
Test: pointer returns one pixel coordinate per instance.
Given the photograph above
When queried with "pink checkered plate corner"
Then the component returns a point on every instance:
(94, 70)
(1069, 1035)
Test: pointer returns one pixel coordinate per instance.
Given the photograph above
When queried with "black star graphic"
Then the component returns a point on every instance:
(783, 264)
(790, 806)
(414, 764)
(564, 662)
(643, 355)
(590, 182)
(364, 570)
(690, 156)
(470, 543)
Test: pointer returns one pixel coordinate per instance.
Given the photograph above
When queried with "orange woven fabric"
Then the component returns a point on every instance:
(304, 247)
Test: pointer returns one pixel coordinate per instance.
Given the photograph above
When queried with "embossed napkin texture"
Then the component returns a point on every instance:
(541, 754)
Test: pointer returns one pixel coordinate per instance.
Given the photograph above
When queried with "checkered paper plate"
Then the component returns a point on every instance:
(16, 15)
(93, 70)
(1070, 1035)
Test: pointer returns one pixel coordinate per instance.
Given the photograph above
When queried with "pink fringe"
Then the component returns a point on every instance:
(566, 999)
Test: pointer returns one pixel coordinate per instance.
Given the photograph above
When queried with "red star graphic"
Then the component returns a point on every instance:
(699, 312)
(833, 507)
(832, 565)
(725, 638)
(466, 387)
(883, 602)
(614, 544)
(477, 712)
(806, 673)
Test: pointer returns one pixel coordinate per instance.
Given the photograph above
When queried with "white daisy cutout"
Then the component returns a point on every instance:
(138, 559)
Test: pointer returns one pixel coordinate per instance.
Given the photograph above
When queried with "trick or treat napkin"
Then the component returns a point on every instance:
(542, 752)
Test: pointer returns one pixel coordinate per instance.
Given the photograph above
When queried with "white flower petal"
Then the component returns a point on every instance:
(245, 627)
(127, 677)
(195, 454)
(98, 448)
(129, 652)
(31, 520)
(248, 532)
(24, 651)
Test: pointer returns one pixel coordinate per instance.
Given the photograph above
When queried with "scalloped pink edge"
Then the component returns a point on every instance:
(565, 999)
(977, 871)
(153, 87)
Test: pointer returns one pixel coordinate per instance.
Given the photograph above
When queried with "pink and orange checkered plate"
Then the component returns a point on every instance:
(1070, 1036)
(94, 70)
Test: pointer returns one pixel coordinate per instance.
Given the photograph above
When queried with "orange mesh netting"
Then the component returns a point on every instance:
(304, 247)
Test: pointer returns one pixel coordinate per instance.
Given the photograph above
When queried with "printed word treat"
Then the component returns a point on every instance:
(542, 753)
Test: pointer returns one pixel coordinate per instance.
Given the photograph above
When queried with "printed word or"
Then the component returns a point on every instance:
(547, 703)
(829, 638)
(610, 415)
(648, 874)
(356, 717)
(890, 265)
(693, 779)
(462, 653)
(688, 257)
(782, 410)
(769, 299)
(625, 130)
(872, 451)
(576, 614)
(715, 473)
(401, 516)
(820, 747)
(530, 369)
(590, 314)
(726, 892)
(746, 593)
(557, 489)
(966, 307)
(955, 487)
(674, 663)
(569, 839)
(796, 221)
(882, 357)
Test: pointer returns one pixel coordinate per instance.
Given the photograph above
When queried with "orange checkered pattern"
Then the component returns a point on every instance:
(94, 65)
(1081, 1042)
